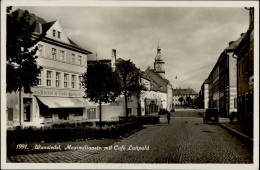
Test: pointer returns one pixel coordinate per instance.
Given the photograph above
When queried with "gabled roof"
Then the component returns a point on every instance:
(46, 26)
(184, 92)
(43, 26)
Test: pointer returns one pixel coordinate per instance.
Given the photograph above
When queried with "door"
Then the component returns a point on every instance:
(27, 105)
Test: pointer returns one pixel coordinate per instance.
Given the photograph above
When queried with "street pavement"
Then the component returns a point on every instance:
(185, 140)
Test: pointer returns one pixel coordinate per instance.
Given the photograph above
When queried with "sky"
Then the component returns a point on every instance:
(191, 38)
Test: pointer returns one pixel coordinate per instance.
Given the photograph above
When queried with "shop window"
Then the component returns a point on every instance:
(73, 81)
(40, 49)
(66, 79)
(39, 81)
(63, 115)
(73, 58)
(62, 55)
(78, 112)
(54, 53)
(57, 79)
(49, 77)
(79, 60)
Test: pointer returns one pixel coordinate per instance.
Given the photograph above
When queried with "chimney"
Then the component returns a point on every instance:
(114, 53)
(231, 42)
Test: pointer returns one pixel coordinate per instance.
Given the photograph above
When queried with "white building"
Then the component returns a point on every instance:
(59, 94)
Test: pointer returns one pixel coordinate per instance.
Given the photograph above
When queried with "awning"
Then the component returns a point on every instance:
(65, 102)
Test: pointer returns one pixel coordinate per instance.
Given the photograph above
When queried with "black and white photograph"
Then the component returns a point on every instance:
(129, 84)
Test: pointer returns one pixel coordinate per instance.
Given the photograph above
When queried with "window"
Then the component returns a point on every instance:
(79, 60)
(66, 79)
(62, 55)
(53, 33)
(235, 103)
(73, 58)
(247, 62)
(40, 49)
(39, 79)
(54, 53)
(49, 75)
(58, 34)
(57, 79)
(80, 82)
(73, 81)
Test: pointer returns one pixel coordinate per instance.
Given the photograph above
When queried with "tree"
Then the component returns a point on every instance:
(181, 100)
(21, 65)
(188, 99)
(130, 80)
(101, 85)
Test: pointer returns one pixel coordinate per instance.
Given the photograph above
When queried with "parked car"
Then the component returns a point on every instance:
(211, 115)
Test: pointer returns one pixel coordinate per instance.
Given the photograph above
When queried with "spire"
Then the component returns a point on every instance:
(158, 47)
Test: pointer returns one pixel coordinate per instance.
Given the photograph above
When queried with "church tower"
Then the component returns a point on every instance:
(159, 63)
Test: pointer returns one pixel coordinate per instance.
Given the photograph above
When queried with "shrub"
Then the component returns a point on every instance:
(71, 132)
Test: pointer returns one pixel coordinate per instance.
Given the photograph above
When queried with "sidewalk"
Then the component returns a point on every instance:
(236, 128)
(239, 129)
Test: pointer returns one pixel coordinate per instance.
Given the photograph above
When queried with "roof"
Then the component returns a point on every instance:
(184, 92)
(41, 23)
(234, 45)
(206, 81)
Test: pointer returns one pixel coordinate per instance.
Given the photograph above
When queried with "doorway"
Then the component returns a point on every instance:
(27, 104)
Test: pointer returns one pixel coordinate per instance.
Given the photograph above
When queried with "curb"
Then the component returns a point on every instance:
(247, 138)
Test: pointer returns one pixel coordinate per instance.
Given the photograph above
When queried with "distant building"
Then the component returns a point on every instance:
(182, 93)
(160, 91)
(245, 62)
(59, 94)
(203, 98)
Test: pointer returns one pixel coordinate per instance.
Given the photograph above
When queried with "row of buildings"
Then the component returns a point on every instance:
(230, 85)
(59, 94)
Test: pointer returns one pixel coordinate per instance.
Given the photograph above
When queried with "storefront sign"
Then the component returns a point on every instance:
(56, 92)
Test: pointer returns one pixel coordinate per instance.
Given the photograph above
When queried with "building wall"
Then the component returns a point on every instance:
(53, 64)
(206, 96)
(110, 112)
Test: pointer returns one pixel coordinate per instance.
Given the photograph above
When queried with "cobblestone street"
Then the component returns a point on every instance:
(185, 140)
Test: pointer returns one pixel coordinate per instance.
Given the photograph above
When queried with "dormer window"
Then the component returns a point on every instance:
(53, 33)
(58, 34)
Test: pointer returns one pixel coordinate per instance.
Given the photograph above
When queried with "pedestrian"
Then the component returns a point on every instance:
(168, 117)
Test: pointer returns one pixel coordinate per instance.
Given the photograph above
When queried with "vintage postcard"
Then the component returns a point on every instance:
(129, 84)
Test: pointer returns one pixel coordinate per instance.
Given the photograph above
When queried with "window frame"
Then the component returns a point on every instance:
(73, 81)
(54, 53)
(66, 80)
(58, 79)
(49, 79)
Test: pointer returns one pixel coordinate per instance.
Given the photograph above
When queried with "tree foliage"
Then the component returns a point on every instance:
(101, 85)
(21, 65)
(129, 77)
(181, 100)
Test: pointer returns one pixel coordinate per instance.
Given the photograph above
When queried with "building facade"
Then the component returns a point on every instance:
(184, 94)
(223, 81)
(59, 94)
(203, 98)
(160, 91)
(245, 70)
